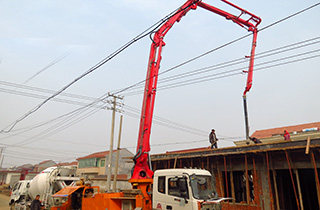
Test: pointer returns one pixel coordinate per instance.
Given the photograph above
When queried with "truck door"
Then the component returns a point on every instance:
(15, 192)
(178, 195)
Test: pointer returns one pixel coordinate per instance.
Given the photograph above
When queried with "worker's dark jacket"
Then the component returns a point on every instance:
(35, 205)
(212, 138)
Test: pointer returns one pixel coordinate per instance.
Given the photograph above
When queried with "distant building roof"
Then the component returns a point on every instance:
(74, 163)
(266, 133)
(25, 166)
(43, 162)
(96, 155)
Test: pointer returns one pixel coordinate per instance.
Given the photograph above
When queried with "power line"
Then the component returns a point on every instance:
(125, 46)
(290, 16)
(233, 72)
(164, 122)
(190, 82)
(5, 90)
(167, 121)
(217, 48)
(234, 62)
(92, 69)
(49, 65)
(71, 114)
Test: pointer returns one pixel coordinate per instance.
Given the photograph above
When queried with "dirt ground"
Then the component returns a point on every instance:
(4, 202)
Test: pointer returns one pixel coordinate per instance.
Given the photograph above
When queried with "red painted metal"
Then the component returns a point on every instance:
(292, 180)
(141, 168)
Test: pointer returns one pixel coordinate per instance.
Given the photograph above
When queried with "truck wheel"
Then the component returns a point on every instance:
(12, 206)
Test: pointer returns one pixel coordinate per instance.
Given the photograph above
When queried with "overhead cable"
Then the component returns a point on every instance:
(92, 69)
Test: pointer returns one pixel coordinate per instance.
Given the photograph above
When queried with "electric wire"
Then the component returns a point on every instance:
(92, 69)
(233, 74)
(290, 16)
(61, 57)
(16, 92)
(178, 127)
(169, 122)
(224, 74)
(237, 61)
(275, 24)
(162, 123)
(221, 46)
(140, 36)
(57, 127)
(64, 117)
(239, 70)
(173, 123)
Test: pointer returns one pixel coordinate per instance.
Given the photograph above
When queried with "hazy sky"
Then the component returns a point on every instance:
(45, 45)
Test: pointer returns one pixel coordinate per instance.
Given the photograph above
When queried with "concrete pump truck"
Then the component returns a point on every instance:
(174, 189)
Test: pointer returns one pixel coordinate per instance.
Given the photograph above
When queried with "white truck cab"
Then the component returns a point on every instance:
(184, 189)
(19, 191)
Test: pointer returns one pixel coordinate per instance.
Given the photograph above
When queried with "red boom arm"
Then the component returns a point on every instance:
(141, 169)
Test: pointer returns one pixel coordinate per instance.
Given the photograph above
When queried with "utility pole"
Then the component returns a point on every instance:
(111, 143)
(117, 158)
(1, 156)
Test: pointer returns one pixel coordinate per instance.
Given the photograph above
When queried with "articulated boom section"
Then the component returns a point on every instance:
(142, 169)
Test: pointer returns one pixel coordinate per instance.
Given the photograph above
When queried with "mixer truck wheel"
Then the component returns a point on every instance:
(12, 206)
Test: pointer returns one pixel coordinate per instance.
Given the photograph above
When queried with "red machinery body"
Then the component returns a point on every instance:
(142, 169)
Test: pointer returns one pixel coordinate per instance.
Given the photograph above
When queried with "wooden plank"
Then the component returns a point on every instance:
(313, 161)
(247, 180)
(233, 194)
(299, 188)
(276, 188)
(220, 180)
(308, 145)
(269, 183)
(175, 162)
(226, 175)
(292, 180)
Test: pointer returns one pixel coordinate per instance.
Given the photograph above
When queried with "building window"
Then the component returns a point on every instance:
(102, 163)
(87, 163)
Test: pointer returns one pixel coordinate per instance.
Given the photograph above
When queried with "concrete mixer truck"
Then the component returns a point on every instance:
(45, 184)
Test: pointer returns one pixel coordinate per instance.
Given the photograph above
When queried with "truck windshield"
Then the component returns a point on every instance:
(202, 187)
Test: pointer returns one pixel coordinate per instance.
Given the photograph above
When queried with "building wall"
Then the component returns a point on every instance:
(259, 180)
(125, 165)
(92, 167)
(11, 178)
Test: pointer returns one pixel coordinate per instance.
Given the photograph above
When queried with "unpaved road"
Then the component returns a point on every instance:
(4, 202)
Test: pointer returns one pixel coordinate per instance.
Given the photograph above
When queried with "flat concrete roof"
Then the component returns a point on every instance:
(242, 149)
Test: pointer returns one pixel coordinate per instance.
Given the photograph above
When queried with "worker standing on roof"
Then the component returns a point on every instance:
(286, 135)
(213, 139)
